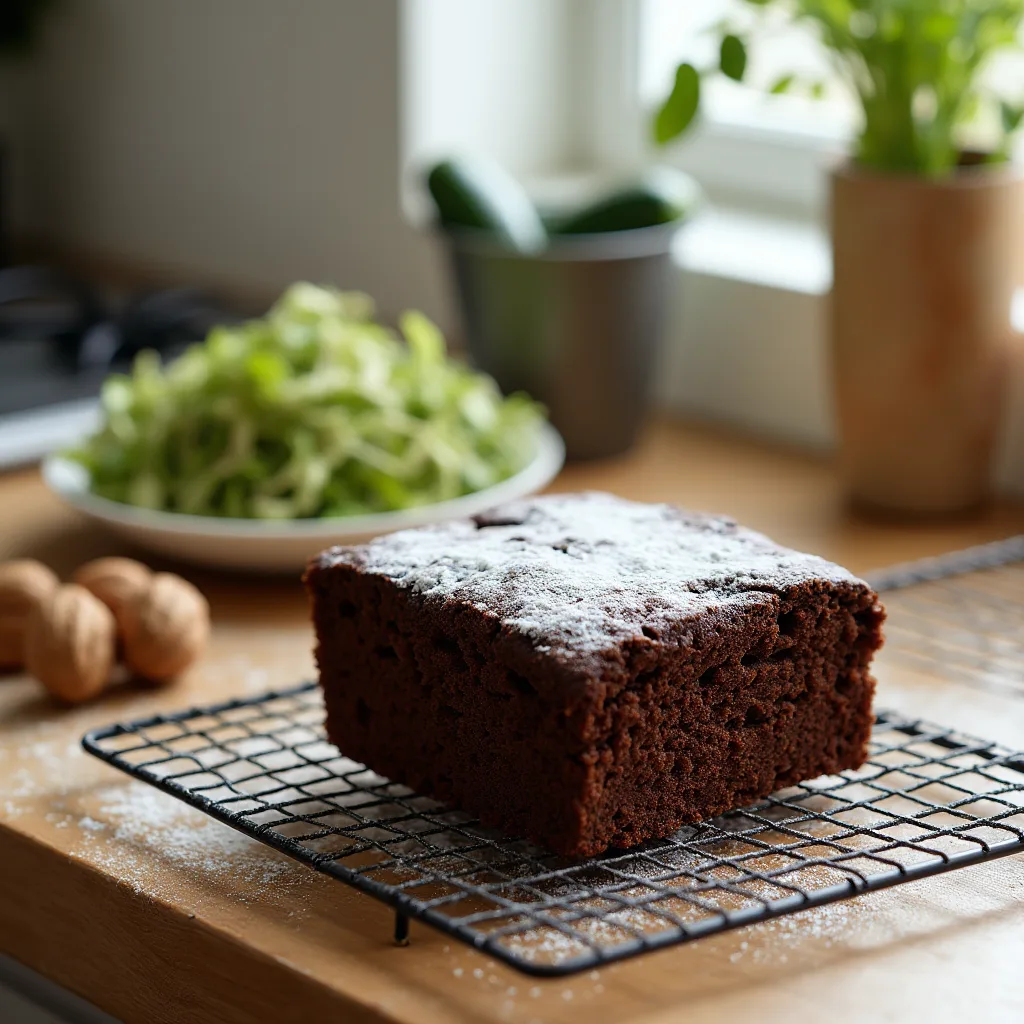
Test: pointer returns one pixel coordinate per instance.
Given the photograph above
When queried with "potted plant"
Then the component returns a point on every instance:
(927, 234)
(569, 307)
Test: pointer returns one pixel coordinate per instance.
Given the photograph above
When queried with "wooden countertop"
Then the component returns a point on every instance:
(156, 913)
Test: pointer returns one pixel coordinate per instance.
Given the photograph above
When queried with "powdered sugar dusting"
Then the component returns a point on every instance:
(583, 572)
(772, 940)
(133, 822)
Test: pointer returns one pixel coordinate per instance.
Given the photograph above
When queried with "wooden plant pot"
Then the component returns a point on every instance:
(924, 277)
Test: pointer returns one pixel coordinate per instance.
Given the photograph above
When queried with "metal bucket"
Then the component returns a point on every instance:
(577, 326)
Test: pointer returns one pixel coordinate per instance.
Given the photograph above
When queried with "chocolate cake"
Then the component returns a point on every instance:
(591, 672)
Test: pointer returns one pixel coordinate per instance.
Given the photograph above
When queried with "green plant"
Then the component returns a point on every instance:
(313, 410)
(19, 24)
(914, 65)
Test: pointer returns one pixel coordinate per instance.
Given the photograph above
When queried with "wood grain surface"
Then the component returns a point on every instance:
(156, 913)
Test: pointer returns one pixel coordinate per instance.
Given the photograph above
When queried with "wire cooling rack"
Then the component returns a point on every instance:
(928, 800)
(960, 616)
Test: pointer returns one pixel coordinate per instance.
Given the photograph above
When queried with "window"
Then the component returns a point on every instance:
(671, 32)
(752, 147)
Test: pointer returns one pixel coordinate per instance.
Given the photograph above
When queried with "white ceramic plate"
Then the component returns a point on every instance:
(261, 546)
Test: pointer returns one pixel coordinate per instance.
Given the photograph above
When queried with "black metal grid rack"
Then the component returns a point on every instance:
(959, 617)
(928, 800)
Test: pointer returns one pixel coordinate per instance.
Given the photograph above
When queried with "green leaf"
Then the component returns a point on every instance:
(1010, 116)
(733, 58)
(782, 85)
(939, 27)
(267, 370)
(312, 410)
(679, 110)
(425, 339)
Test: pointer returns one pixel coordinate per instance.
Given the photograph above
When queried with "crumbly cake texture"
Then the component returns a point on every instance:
(592, 672)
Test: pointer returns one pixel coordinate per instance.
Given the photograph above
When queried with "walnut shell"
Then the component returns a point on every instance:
(115, 581)
(24, 583)
(70, 642)
(166, 629)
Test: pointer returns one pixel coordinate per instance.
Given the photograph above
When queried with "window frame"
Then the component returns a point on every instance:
(765, 160)
(738, 159)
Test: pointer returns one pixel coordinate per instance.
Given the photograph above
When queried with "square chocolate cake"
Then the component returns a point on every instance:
(592, 672)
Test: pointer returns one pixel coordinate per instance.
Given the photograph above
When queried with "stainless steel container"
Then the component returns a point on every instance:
(578, 326)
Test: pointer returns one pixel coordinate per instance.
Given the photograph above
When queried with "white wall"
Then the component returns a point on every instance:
(258, 141)
(493, 76)
(250, 141)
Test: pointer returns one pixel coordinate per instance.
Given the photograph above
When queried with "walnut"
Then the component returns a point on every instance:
(166, 629)
(23, 584)
(115, 581)
(70, 642)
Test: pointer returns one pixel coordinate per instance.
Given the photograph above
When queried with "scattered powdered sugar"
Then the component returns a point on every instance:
(582, 572)
(47, 766)
(545, 945)
(253, 675)
(828, 925)
(769, 940)
(135, 824)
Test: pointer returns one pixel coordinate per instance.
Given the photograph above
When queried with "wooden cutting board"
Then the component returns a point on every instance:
(156, 913)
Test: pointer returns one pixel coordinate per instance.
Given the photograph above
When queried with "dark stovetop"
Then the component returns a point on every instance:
(61, 337)
(34, 375)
